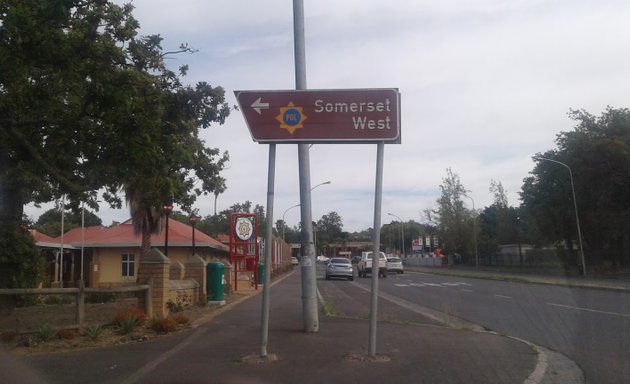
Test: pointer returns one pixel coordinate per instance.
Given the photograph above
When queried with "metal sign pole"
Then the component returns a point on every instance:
(309, 279)
(376, 241)
(264, 335)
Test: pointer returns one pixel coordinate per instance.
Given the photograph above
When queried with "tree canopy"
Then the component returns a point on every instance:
(597, 152)
(86, 103)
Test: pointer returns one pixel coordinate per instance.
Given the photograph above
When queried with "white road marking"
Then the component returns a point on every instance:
(503, 297)
(589, 310)
(401, 285)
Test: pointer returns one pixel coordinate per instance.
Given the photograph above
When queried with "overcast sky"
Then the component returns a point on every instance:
(484, 86)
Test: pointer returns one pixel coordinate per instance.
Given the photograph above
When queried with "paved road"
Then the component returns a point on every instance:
(590, 326)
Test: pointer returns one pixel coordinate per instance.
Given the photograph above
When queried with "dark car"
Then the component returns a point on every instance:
(339, 267)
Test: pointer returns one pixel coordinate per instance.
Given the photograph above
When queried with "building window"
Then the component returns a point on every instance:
(128, 264)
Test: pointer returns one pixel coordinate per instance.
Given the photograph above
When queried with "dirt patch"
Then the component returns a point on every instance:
(22, 331)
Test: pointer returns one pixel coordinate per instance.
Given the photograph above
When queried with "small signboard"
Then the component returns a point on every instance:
(329, 116)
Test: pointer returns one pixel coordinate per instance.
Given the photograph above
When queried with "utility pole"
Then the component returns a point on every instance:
(310, 313)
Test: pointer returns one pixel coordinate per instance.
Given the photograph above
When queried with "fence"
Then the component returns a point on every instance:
(80, 292)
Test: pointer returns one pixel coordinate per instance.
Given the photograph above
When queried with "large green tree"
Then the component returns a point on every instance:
(329, 230)
(452, 219)
(86, 103)
(597, 152)
(49, 222)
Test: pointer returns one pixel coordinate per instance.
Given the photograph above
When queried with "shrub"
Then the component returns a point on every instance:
(27, 341)
(134, 313)
(26, 300)
(164, 325)
(181, 320)
(127, 325)
(55, 299)
(174, 307)
(100, 297)
(66, 334)
(45, 333)
(92, 331)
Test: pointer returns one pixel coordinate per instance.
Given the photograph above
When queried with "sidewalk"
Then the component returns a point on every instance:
(225, 349)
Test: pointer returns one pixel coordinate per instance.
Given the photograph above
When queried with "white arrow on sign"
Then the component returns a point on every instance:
(258, 105)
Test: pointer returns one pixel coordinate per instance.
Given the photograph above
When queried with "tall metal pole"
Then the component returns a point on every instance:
(167, 211)
(309, 283)
(577, 218)
(376, 242)
(264, 334)
(82, 236)
(63, 208)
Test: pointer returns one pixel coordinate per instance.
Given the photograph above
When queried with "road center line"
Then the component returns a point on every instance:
(589, 310)
(503, 297)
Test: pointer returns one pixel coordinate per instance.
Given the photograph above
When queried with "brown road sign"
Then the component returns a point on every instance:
(331, 116)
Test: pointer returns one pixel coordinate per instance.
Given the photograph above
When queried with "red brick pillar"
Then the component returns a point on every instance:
(155, 267)
(196, 270)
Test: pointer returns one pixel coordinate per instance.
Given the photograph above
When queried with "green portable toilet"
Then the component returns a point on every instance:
(214, 281)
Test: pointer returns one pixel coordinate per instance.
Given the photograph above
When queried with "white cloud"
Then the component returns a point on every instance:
(485, 84)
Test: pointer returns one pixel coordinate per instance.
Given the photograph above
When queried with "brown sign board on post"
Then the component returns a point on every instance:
(322, 116)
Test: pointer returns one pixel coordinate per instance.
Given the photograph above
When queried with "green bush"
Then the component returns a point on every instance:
(57, 299)
(100, 297)
(20, 261)
(127, 325)
(92, 331)
(27, 300)
(45, 333)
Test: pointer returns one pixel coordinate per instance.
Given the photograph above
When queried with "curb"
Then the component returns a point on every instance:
(551, 367)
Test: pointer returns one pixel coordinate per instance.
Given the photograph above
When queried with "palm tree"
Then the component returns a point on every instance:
(146, 218)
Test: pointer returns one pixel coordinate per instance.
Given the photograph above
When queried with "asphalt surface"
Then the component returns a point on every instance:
(411, 348)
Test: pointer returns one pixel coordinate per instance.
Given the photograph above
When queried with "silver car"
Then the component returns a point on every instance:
(394, 264)
(339, 267)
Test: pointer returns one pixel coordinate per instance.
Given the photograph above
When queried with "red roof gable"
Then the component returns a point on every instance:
(40, 237)
(122, 235)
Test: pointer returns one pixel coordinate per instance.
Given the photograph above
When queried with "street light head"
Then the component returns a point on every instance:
(167, 209)
(193, 219)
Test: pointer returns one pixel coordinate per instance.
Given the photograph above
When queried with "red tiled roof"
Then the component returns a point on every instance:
(40, 237)
(122, 235)
(45, 241)
(225, 239)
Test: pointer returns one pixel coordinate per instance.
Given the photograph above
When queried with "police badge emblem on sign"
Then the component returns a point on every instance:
(244, 228)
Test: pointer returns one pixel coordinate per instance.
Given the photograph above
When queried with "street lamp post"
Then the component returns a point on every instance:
(474, 231)
(577, 219)
(284, 223)
(193, 219)
(402, 233)
(297, 205)
(167, 212)
(324, 183)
